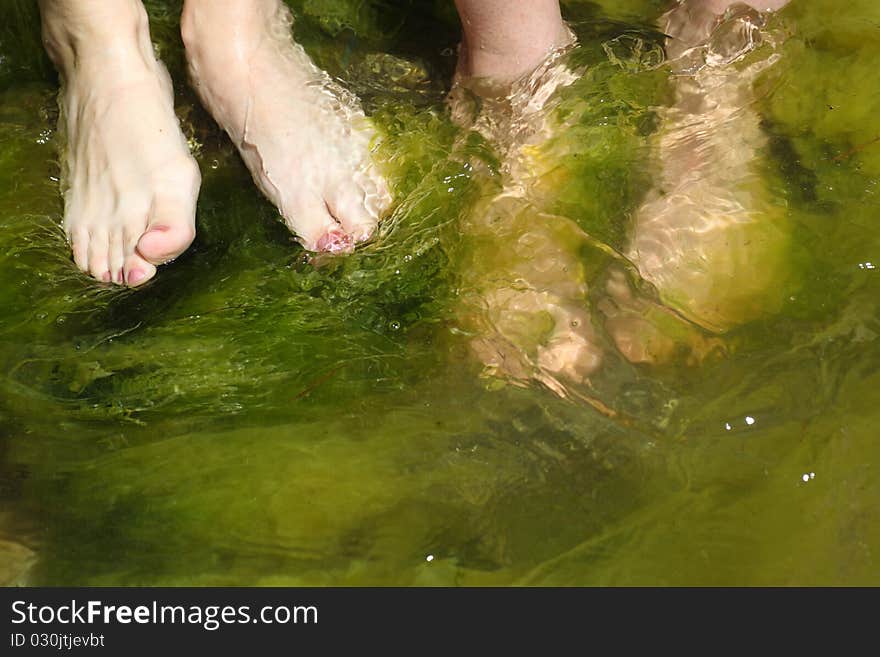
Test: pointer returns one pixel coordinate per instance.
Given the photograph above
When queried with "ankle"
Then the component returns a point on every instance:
(205, 23)
(96, 33)
(508, 59)
(505, 39)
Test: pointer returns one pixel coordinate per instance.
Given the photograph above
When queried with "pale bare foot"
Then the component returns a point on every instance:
(525, 292)
(524, 296)
(131, 183)
(305, 140)
(710, 238)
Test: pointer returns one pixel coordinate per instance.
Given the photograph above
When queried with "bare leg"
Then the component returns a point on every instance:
(710, 238)
(509, 68)
(504, 39)
(523, 304)
(131, 181)
(304, 139)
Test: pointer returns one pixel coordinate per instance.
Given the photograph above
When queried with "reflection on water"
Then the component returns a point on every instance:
(630, 338)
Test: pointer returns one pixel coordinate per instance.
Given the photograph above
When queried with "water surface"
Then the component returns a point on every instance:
(257, 417)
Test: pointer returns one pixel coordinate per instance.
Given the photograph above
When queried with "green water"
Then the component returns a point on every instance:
(254, 417)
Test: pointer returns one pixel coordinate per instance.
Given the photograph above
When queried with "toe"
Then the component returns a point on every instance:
(348, 205)
(170, 231)
(335, 241)
(378, 196)
(116, 256)
(137, 271)
(99, 266)
(79, 243)
(316, 229)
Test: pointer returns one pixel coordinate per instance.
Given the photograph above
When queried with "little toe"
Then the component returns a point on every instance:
(79, 244)
(137, 271)
(378, 195)
(99, 266)
(116, 256)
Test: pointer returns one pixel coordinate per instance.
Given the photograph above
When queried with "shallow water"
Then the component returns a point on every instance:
(256, 417)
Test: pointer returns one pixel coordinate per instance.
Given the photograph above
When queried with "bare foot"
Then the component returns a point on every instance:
(710, 237)
(131, 183)
(305, 140)
(647, 332)
(524, 296)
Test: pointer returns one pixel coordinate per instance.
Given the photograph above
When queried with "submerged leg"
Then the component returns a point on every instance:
(509, 67)
(710, 238)
(304, 139)
(131, 183)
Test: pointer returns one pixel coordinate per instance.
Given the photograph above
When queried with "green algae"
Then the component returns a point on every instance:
(254, 416)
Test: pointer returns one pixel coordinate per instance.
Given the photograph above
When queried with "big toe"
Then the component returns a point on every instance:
(169, 233)
(348, 205)
(317, 230)
(163, 242)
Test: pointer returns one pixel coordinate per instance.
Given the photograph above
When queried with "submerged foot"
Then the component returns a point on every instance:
(131, 183)
(710, 237)
(304, 139)
(524, 296)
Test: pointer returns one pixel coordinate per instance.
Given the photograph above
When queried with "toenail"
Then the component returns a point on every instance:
(160, 228)
(335, 241)
(118, 277)
(106, 277)
(135, 276)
